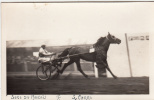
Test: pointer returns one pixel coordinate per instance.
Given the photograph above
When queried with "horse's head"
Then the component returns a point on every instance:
(113, 39)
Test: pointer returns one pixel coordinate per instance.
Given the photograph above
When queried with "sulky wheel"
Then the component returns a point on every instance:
(43, 72)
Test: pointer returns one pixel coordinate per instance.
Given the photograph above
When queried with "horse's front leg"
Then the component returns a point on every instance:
(107, 66)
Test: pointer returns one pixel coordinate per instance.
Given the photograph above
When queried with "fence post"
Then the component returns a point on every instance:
(95, 68)
(128, 55)
(75, 68)
(25, 66)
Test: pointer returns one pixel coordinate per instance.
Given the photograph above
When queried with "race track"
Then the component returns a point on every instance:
(78, 85)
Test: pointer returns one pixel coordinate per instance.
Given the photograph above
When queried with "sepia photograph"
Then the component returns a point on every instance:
(76, 50)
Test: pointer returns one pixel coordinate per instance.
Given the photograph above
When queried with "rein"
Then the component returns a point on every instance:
(72, 55)
(107, 38)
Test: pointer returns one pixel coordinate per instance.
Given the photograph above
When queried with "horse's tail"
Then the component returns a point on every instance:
(65, 52)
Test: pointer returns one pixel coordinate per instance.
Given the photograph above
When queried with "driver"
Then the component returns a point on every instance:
(44, 55)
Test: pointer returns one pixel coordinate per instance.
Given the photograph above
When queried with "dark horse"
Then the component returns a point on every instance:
(99, 56)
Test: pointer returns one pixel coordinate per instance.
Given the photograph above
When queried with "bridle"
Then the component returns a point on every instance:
(107, 38)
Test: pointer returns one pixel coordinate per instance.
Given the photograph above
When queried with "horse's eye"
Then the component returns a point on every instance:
(113, 36)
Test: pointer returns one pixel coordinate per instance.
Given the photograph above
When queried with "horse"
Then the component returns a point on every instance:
(99, 55)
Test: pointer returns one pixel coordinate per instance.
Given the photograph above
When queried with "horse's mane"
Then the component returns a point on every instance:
(99, 42)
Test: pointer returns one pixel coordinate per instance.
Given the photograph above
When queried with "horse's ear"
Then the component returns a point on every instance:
(109, 34)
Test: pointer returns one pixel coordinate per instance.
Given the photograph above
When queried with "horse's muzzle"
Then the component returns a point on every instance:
(118, 41)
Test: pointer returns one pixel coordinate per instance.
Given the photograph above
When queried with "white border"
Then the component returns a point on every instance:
(94, 97)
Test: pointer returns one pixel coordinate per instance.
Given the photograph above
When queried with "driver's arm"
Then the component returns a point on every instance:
(42, 52)
(53, 53)
(50, 53)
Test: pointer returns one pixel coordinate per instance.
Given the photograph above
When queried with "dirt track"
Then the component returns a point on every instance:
(78, 86)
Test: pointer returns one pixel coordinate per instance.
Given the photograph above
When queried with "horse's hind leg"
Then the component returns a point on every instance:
(65, 65)
(79, 68)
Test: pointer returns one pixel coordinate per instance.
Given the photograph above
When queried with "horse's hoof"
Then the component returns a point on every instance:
(86, 76)
(59, 71)
(115, 77)
(56, 76)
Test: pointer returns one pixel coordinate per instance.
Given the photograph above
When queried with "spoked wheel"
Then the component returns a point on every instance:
(43, 72)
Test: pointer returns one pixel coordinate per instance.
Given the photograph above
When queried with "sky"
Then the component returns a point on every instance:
(75, 22)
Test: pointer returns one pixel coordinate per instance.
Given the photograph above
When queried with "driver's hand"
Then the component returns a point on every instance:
(53, 53)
